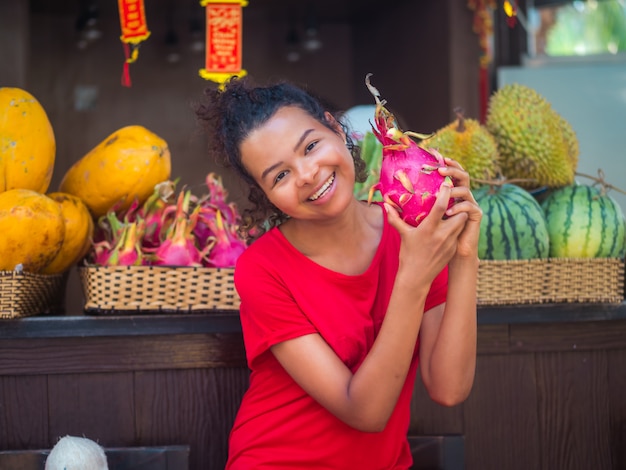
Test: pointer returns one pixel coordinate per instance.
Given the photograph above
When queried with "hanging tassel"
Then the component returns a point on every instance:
(510, 10)
(126, 70)
(134, 31)
(483, 27)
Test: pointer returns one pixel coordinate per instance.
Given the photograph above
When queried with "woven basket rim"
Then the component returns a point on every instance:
(551, 280)
(24, 294)
(157, 289)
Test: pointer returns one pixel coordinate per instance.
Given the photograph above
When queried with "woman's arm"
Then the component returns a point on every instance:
(448, 339)
(366, 399)
(448, 334)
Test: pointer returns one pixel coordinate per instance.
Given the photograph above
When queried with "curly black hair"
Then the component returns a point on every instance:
(231, 112)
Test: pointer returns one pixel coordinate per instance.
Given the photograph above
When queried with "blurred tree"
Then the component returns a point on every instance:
(587, 28)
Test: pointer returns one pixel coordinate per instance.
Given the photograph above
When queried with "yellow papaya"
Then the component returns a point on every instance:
(79, 227)
(27, 143)
(123, 167)
(32, 229)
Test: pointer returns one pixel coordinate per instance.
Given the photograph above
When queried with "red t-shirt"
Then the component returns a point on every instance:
(285, 295)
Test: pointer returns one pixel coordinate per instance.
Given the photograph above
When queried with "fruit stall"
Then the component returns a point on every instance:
(155, 356)
(119, 322)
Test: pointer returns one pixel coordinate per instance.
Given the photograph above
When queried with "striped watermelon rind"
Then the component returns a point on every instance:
(584, 223)
(513, 226)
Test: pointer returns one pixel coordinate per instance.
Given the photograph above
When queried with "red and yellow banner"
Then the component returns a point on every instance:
(483, 27)
(134, 30)
(133, 21)
(224, 32)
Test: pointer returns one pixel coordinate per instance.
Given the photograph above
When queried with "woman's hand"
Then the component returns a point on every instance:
(429, 247)
(467, 243)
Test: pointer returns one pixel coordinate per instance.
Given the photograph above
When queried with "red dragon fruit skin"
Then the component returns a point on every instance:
(125, 251)
(409, 179)
(178, 247)
(154, 210)
(226, 247)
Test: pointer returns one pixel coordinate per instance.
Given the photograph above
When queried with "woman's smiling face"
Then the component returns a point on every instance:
(303, 167)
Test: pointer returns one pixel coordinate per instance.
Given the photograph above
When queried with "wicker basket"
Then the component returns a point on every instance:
(24, 294)
(154, 289)
(510, 282)
(599, 280)
(552, 280)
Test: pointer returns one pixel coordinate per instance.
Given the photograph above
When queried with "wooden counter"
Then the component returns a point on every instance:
(549, 388)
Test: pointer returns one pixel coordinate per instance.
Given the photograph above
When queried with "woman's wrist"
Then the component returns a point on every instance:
(464, 262)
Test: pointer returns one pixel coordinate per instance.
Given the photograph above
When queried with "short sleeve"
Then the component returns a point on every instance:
(268, 312)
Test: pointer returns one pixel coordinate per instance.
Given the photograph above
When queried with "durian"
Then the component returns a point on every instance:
(469, 143)
(571, 141)
(535, 143)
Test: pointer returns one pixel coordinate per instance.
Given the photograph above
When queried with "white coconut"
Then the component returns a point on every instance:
(76, 453)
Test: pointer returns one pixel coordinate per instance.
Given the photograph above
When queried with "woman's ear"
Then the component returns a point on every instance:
(335, 125)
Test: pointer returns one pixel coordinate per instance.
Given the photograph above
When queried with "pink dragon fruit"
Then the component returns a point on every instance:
(179, 247)
(225, 246)
(154, 212)
(409, 179)
(216, 199)
(124, 249)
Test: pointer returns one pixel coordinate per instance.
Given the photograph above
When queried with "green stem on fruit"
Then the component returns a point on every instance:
(502, 181)
(600, 180)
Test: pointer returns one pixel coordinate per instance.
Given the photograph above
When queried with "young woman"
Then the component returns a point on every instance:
(339, 298)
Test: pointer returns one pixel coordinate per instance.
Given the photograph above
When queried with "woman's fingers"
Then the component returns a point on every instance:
(455, 171)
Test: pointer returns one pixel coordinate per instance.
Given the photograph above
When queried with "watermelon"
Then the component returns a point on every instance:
(513, 224)
(584, 222)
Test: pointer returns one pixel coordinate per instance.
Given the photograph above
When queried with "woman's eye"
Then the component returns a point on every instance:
(310, 147)
(280, 176)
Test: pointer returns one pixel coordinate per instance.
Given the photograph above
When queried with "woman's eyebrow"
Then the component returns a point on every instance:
(270, 169)
(275, 165)
(302, 137)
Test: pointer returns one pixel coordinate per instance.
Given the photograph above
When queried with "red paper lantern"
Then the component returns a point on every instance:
(224, 28)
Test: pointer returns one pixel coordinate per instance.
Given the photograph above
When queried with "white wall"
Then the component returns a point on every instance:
(591, 95)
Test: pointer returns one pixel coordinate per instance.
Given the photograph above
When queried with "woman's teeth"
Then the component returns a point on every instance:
(323, 189)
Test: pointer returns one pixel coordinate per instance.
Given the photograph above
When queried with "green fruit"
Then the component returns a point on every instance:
(469, 143)
(513, 224)
(584, 222)
(372, 154)
(534, 141)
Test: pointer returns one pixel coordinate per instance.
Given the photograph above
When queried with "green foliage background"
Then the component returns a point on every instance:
(592, 27)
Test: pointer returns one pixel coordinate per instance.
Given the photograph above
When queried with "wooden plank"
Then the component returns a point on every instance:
(192, 407)
(430, 418)
(568, 336)
(23, 459)
(437, 452)
(119, 354)
(99, 406)
(551, 313)
(617, 403)
(148, 458)
(23, 412)
(67, 326)
(573, 410)
(493, 339)
(500, 415)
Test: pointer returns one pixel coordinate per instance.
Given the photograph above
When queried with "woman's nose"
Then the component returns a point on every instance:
(307, 171)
